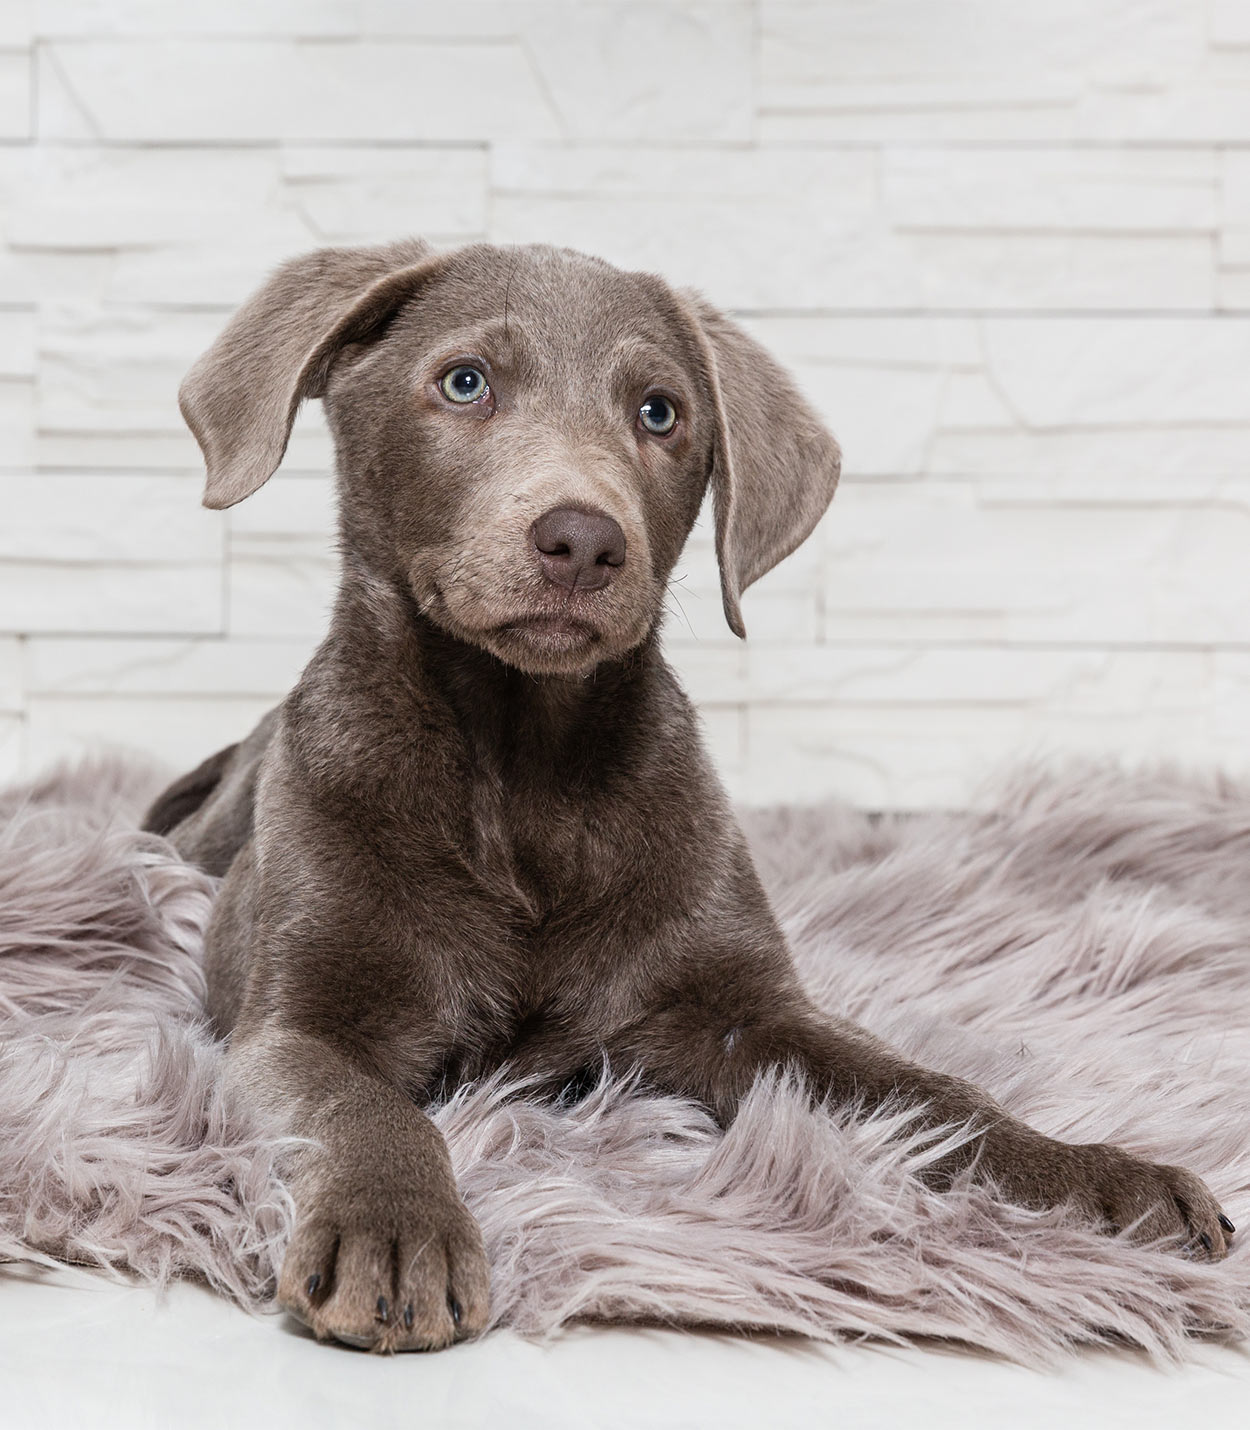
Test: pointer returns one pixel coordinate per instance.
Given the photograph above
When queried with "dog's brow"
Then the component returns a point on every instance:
(641, 361)
(491, 338)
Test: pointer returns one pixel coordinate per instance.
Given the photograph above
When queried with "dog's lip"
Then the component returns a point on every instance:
(556, 629)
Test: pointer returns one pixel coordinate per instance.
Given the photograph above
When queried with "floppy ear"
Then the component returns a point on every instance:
(241, 397)
(775, 464)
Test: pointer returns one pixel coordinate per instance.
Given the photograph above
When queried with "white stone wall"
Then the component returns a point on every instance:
(1004, 244)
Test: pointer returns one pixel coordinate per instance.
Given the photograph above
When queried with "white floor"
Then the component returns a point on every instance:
(79, 1351)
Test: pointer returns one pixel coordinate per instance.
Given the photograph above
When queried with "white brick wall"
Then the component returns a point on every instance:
(1004, 245)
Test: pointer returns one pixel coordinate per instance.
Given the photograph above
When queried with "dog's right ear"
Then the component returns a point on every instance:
(241, 397)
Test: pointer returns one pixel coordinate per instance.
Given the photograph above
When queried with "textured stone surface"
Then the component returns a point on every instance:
(1004, 247)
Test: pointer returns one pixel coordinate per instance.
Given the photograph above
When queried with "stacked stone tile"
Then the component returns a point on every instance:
(1005, 247)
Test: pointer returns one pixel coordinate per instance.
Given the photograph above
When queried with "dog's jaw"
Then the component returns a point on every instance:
(542, 643)
(532, 626)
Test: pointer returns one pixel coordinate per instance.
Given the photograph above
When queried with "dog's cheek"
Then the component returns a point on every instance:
(423, 582)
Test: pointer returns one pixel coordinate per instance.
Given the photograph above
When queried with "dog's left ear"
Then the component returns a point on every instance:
(775, 463)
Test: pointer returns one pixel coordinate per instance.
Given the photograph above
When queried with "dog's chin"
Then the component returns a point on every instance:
(568, 639)
(549, 644)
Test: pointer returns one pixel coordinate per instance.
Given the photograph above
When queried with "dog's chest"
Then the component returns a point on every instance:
(535, 854)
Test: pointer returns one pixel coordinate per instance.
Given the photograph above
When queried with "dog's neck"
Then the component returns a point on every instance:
(502, 709)
(502, 713)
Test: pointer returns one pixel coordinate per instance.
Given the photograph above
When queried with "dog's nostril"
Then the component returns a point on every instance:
(578, 549)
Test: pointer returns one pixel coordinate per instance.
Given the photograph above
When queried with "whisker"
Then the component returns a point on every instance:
(680, 610)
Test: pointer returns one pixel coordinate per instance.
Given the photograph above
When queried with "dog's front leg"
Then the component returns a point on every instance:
(384, 1254)
(713, 1040)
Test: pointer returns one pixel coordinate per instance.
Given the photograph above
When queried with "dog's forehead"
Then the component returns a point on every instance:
(553, 300)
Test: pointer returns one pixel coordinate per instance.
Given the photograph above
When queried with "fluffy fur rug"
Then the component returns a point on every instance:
(1083, 951)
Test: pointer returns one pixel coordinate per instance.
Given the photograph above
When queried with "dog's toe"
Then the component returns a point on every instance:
(419, 1286)
(444, 1285)
(1155, 1202)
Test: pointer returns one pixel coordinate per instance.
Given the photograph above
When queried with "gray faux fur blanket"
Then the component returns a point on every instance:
(1082, 950)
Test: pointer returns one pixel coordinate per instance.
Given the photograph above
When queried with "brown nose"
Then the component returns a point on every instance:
(578, 549)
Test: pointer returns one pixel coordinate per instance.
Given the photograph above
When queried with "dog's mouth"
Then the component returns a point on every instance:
(536, 633)
(551, 632)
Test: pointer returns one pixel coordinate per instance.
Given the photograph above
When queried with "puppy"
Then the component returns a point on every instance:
(483, 828)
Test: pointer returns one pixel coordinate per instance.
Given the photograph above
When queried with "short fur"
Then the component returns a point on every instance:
(483, 829)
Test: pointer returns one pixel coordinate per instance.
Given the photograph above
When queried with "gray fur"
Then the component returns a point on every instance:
(482, 830)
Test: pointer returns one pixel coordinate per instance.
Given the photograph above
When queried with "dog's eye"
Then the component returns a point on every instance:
(464, 384)
(657, 414)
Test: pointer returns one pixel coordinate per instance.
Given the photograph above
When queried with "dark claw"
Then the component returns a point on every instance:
(1226, 1224)
(1205, 1240)
(313, 1282)
(384, 1311)
(408, 1316)
(456, 1310)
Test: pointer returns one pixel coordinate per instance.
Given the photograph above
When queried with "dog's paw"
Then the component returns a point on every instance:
(398, 1278)
(1153, 1201)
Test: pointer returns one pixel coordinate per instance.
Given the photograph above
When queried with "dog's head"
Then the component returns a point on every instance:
(524, 436)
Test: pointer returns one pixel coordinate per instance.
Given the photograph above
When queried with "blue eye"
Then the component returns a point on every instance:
(658, 415)
(464, 384)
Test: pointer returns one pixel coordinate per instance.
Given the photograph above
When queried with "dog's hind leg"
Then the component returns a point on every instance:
(207, 814)
(188, 793)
